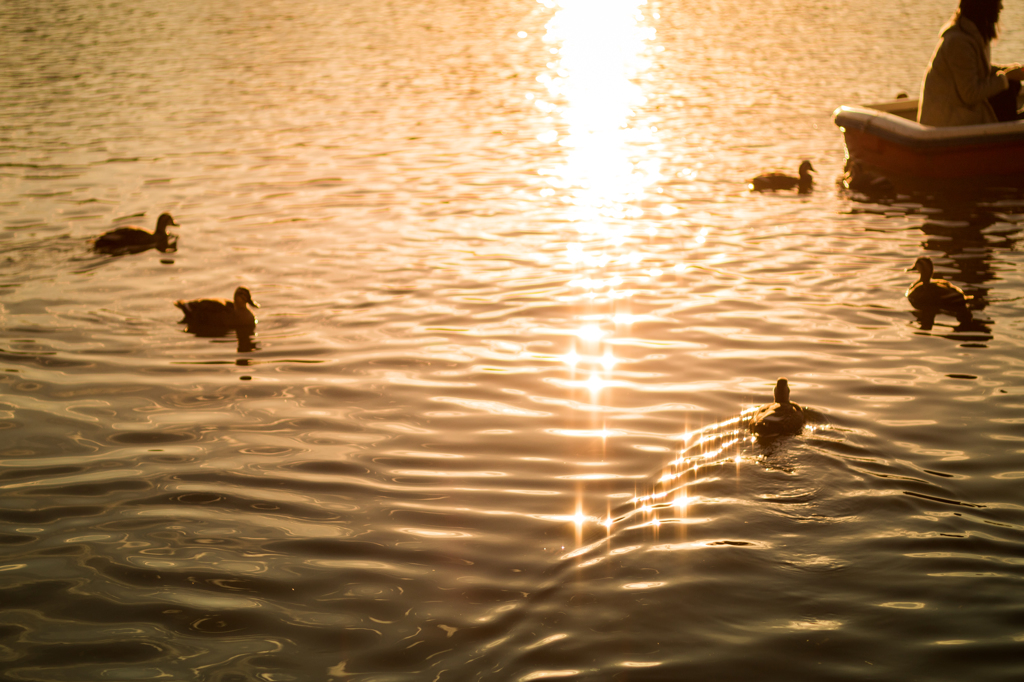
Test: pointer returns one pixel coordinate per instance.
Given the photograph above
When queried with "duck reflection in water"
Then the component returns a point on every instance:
(780, 418)
(777, 180)
(213, 317)
(967, 328)
(969, 238)
(246, 344)
(131, 239)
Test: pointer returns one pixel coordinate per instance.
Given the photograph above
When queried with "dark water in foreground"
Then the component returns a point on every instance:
(516, 299)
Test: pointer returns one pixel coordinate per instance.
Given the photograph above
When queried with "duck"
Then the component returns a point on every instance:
(935, 294)
(779, 180)
(133, 238)
(873, 185)
(207, 313)
(779, 418)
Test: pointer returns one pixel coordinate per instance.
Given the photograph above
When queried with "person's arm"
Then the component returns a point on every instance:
(972, 87)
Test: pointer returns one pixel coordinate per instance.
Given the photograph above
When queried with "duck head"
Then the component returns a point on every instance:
(242, 296)
(806, 169)
(163, 221)
(782, 391)
(924, 266)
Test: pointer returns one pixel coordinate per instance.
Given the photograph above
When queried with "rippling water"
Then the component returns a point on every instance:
(516, 300)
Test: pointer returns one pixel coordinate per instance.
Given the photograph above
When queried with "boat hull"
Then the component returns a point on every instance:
(884, 142)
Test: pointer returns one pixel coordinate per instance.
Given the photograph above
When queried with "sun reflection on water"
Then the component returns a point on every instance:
(609, 160)
(601, 49)
(608, 166)
(668, 501)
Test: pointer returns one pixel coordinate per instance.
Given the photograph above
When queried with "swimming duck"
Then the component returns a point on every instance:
(135, 238)
(873, 185)
(780, 417)
(935, 294)
(219, 313)
(779, 180)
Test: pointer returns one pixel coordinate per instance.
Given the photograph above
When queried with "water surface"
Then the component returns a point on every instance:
(515, 301)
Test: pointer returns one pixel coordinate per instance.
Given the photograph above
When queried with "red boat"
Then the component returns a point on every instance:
(885, 140)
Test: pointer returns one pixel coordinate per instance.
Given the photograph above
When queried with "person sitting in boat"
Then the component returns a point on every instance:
(961, 85)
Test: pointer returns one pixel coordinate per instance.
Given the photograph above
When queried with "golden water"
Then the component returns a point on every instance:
(515, 300)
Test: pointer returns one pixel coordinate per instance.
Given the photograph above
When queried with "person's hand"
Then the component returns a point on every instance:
(1015, 72)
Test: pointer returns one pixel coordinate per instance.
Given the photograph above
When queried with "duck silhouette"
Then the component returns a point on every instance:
(217, 315)
(134, 239)
(777, 180)
(935, 294)
(779, 418)
(873, 185)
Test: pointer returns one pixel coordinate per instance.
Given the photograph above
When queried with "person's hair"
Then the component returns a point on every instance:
(984, 14)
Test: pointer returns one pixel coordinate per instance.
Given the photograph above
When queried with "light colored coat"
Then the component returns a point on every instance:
(960, 79)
